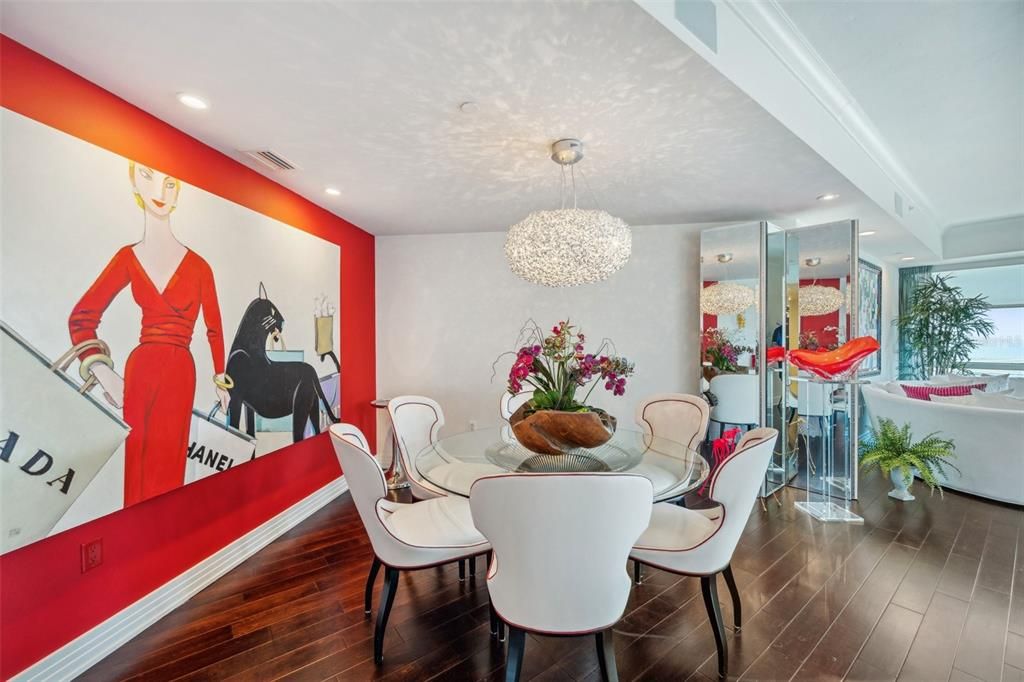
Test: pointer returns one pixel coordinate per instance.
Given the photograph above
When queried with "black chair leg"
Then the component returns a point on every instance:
(370, 580)
(462, 570)
(737, 608)
(494, 621)
(516, 647)
(472, 566)
(387, 598)
(606, 656)
(709, 587)
(637, 572)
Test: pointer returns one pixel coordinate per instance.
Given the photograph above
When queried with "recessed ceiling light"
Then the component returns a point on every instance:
(333, 191)
(866, 233)
(192, 101)
(725, 258)
(469, 107)
(907, 258)
(813, 262)
(827, 197)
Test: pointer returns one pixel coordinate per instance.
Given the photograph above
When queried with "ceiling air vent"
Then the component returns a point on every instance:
(897, 203)
(271, 160)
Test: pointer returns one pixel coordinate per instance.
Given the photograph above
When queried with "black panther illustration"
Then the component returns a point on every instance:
(271, 389)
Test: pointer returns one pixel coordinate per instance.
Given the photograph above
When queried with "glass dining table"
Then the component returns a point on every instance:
(453, 463)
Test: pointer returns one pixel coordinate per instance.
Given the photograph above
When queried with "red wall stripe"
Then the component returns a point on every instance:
(45, 600)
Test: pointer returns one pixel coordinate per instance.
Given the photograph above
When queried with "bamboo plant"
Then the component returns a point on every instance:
(942, 326)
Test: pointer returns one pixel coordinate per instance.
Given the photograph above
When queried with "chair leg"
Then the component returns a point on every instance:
(370, 580)
(494, 621)
(737, 608)
(516, 647)
(387, 598)
(709, 587)
(462, 570)
(472, 566)
(606, 656)
(637, 572)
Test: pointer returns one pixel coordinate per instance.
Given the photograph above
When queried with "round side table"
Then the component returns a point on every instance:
(394, 475)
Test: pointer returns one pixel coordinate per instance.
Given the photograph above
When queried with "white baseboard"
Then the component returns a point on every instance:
(86, 650)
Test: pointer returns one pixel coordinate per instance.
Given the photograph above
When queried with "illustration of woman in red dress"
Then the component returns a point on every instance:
(171, 284)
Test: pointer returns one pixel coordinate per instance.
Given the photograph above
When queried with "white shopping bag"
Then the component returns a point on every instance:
(214, 446)
(53, 439)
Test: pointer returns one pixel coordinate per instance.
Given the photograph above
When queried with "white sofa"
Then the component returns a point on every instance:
(989, 442)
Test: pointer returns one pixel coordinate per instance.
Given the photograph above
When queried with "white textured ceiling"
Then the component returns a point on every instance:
(943, 81)
(364, 96)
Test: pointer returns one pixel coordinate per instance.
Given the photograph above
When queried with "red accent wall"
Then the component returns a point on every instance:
(45, 600)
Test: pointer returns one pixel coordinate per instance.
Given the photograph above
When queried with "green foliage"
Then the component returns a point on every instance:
(942, 326)
(891, 447)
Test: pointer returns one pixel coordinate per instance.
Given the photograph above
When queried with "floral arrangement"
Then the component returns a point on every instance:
(557, 365)
(809, 340)
(717, 347)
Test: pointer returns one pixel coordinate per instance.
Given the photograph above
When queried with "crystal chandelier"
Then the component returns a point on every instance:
(726, 298)
(568, 246)
(815, 299)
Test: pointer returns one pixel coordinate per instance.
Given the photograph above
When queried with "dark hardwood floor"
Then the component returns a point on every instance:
(930, 590)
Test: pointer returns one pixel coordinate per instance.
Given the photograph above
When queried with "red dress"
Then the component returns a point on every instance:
(160, 376)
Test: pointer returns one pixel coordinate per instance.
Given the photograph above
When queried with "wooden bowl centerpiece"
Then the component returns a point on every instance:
(554, 432)
(562, 375)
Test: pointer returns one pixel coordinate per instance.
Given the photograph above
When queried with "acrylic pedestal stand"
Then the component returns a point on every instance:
(826, 507)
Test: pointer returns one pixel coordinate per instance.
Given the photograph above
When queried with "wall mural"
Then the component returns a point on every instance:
(205, 341)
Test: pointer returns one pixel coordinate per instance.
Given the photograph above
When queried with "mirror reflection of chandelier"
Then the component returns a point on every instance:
(726, 298)
(815, 299)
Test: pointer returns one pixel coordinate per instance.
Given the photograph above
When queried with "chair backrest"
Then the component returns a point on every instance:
(738, 399)
(367, 485)
(679, 417)
(509, 403)
(352, 434)
(560, 546)
(417, 420)
(734, 485)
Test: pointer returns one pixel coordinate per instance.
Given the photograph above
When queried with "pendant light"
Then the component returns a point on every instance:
(568, 246)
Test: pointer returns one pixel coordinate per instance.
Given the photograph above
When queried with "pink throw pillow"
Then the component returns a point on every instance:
(925, 392)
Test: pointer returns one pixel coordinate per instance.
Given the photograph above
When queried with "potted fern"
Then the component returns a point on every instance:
(891, 449)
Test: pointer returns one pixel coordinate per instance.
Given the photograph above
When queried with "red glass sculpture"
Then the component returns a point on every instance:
(774, 354)
(840, 363)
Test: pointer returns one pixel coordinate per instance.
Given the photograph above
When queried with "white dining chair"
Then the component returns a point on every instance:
(404, 536)
(508, 403)
(417, 422)
(677, 417)
(701, 542)
(540, 526)
(738, 400)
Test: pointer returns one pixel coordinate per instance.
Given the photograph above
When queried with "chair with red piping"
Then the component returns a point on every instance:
(701, 542)
(540, 526)
(404, 537)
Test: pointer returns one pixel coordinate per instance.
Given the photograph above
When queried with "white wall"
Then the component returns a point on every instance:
(448, 306)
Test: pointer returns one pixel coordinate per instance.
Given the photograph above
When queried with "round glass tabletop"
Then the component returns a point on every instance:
(455, 462)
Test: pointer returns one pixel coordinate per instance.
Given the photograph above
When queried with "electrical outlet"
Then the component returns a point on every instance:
(92, 555)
